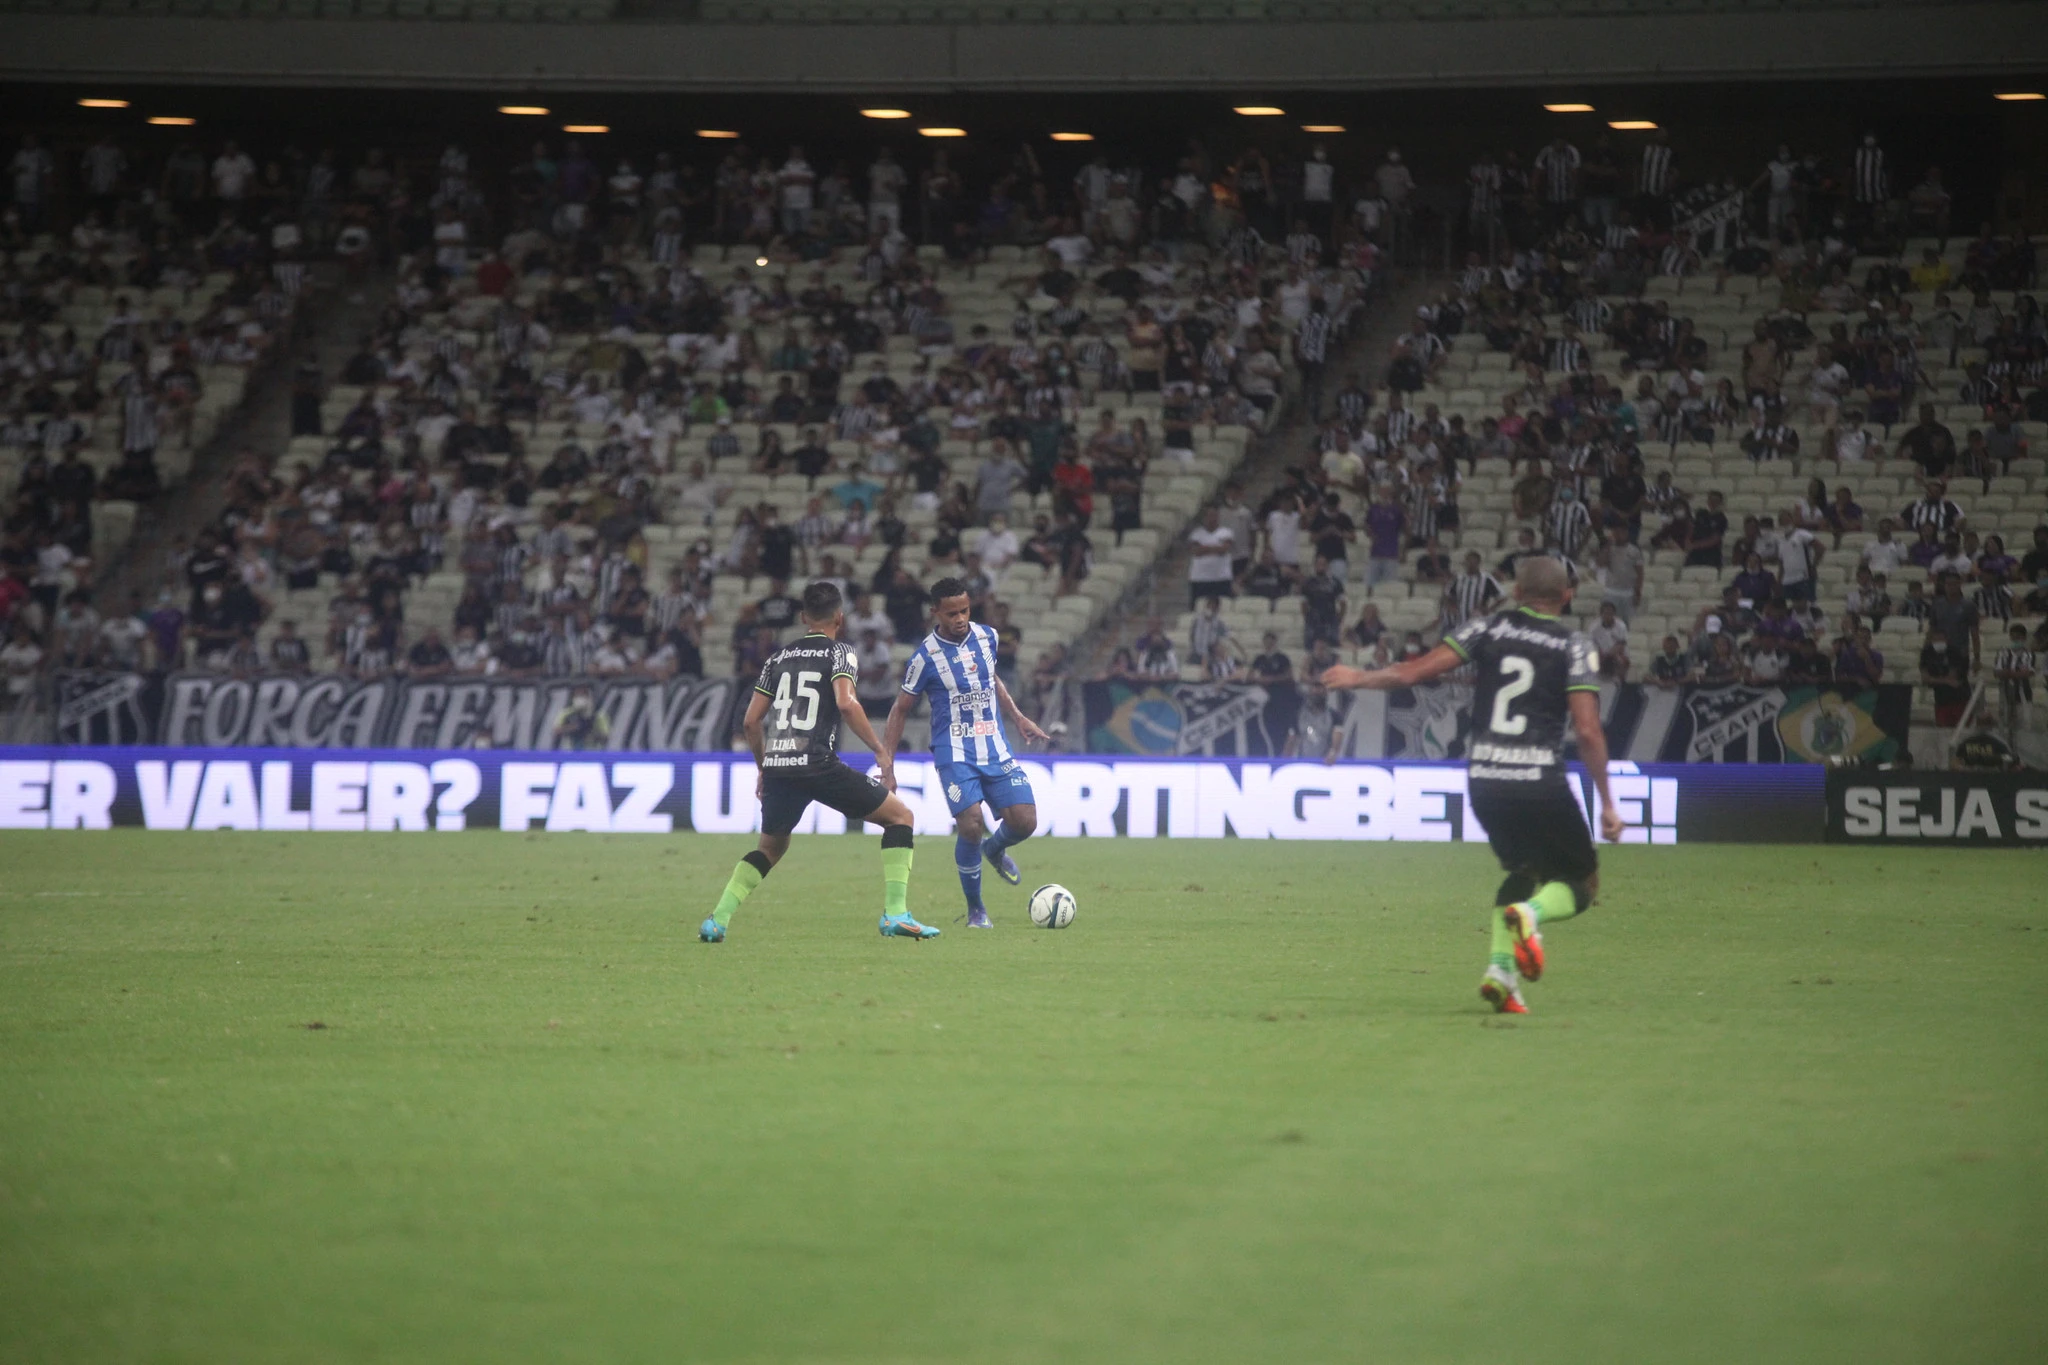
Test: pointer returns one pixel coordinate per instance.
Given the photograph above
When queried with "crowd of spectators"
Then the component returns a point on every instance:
(1978, 610)
(591, 310)
(1610, 380)
(528, 291)
(791, 209)
(113, 318)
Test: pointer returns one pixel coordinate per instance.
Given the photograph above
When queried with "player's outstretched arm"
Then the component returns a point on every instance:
(1025, 725)
(1408, 673)
(1585, 708)
(856, 719)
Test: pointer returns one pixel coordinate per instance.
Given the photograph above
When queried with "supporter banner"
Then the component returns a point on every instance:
(1901, 806)
(1189, 718)
(1714, 218)
(444, 790)
(1647, 724)
(1757, 724)
(209, 710)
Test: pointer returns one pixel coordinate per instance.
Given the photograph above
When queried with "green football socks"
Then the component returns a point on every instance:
(1554, 901)
(745, 877)
(1503, 952)
(896, 880)
(748, 873)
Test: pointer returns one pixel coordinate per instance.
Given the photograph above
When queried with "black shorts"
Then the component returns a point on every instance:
(1541, 833)
(785, 796)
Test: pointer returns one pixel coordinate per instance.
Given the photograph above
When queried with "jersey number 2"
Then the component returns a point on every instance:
(1518, 676)
(806, 702)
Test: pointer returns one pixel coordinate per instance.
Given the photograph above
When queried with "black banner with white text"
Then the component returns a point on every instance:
(1902, 806)
(1787, 723)
(326, 711)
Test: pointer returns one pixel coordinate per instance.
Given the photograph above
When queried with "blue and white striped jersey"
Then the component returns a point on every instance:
(959, 683)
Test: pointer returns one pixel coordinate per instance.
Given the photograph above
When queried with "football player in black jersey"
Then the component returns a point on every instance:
(804, 691)
(1535, 676)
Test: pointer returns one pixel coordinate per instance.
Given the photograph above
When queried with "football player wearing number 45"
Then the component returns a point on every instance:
(792, 724)
(955, 666)
(1534, 673)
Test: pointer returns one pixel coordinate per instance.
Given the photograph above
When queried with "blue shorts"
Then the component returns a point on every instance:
(967, 785)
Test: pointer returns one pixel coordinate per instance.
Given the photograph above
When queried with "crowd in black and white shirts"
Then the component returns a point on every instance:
(125, 279)
(1387, 486)
(795, 204)
(429, 469)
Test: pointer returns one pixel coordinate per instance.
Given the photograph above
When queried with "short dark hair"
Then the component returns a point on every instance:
(1540, 578)
(948, 587)
(821, 603)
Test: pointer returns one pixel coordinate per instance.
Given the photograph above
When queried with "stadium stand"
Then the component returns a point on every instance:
(614, 439)
(1645, 381)
(119, 363)
(687, 391)
(702, 448)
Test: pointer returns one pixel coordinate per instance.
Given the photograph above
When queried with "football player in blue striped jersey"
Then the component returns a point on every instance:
(954, 669)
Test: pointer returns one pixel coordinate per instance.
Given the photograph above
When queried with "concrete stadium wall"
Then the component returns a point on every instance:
(1949, 40)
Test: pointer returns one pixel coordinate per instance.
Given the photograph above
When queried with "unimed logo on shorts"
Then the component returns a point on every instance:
(1910, 807)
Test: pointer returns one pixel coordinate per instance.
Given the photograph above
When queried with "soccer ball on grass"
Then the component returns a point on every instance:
(1052, 906)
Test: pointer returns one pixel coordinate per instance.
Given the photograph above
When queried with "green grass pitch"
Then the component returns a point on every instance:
(1775, 1104)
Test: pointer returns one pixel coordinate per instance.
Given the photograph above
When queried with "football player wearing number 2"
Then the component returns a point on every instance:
(955, 666)
(792, 723)
(1535, 672)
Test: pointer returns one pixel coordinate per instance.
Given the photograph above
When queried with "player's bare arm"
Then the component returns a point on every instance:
(1025, 725)
(892, 734)
(757, 710)
(864, 729)
(1585, 707)
(1408, 673)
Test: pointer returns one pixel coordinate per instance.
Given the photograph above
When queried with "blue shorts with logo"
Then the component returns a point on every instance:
(967, 785)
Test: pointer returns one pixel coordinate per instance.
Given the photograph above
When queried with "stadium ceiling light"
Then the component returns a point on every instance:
(2009, 96)
(1258, 110)
(123, 104)
(1073, 137)
(942, 132)
(173, 121)
(524, 110)
(1322, 127)
(717, 132)
(1569, 108)
(586, 127)
(885, 113)
(1631, 125)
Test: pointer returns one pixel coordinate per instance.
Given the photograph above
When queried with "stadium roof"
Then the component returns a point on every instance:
(1015, 47)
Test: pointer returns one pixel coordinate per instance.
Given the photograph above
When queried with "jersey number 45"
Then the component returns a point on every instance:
(803, 698)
